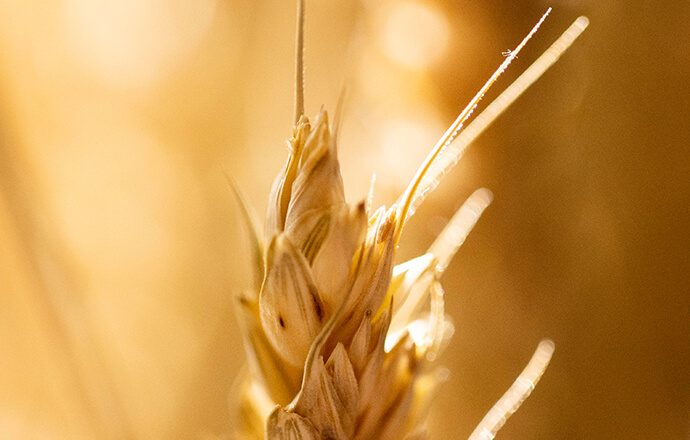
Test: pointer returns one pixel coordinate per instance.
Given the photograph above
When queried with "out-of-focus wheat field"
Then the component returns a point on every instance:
(121, 248)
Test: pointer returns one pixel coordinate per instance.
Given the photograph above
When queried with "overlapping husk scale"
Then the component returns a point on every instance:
(323, 363)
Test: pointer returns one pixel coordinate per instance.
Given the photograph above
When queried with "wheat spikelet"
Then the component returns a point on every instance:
(340, 345)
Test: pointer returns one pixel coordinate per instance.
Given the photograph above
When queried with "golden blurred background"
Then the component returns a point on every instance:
(121, 247)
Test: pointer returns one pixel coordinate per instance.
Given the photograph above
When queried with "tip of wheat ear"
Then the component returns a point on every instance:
(336, 397)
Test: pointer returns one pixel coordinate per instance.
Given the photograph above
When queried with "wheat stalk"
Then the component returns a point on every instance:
(339, 343)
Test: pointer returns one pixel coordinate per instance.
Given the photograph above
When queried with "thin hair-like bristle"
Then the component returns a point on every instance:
(370, 194)
(456, 126)
(458, 228)
(452, 154)
(442, 251)
(299, 63)
(437, 321)
(516, 394)
(338, 114)
(252, 226)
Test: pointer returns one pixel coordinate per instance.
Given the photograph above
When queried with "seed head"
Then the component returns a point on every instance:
(340, 342)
